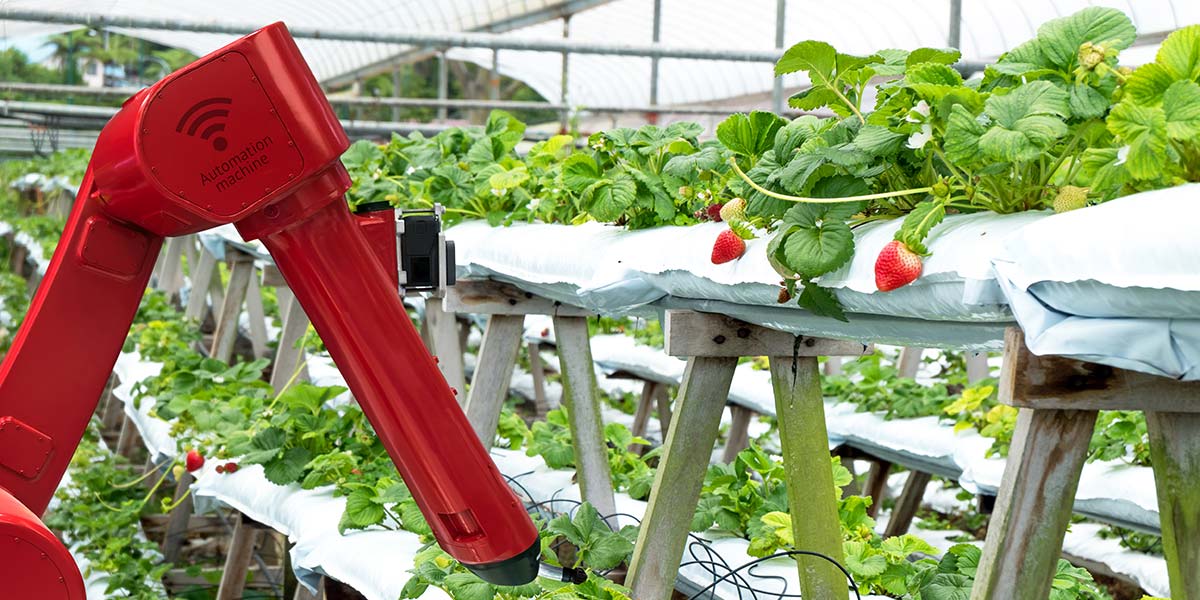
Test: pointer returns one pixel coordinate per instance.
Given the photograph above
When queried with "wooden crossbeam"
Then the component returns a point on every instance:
(690, 333)
(487, 297)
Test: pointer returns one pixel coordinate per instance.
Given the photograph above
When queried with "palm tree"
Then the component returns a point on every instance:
(70, 47)
(161, 63)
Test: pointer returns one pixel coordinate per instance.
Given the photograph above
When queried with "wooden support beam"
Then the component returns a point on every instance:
(813, 503)
(687, 451)
(691, 333)
(581, 396)
(876, 485)
(907, 504)
(977, 366)
(204, 272)
(909, 362)
(641, 417)
(443, 329)
(1175, 455)
(739, 432)
(541, 405)
(170, 275)
(241, 269)
(833, 365)
(289, 355)
(484, 296)
(1054, 382)
(237, 562)
(1033, 509)
(127, 441)
(178, 520)
(257, 317)
(664, 410)
(493, 372)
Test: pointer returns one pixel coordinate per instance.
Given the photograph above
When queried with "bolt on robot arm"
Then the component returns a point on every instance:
(243, 136)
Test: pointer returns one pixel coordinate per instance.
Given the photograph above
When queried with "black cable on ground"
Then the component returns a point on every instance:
(713, 585)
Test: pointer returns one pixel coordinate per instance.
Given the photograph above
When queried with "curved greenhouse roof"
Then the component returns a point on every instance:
(856, 26)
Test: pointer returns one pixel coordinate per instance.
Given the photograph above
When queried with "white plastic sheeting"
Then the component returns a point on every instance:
(1116, 283)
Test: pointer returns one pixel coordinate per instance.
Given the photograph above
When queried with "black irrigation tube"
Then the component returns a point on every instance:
(715, 563)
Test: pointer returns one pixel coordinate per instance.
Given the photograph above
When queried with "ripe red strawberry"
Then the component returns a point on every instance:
(896, 267)
(729, 246)
(714, 211)
(231, 467)
(194, 461)
(220, 468)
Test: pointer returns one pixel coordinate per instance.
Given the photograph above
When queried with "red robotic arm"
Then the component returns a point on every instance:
(244, 136)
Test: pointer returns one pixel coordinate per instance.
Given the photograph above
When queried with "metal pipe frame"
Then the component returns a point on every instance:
(434, 39)
(125, 92)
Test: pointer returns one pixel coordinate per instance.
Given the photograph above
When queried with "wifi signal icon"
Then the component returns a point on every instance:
(210, 116)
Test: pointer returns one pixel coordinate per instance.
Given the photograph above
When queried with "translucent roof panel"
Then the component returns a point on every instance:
(989, 28)
(328, 58)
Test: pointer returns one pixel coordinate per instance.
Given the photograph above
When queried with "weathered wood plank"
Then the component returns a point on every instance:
(272, 277)
(664, 410)
(1054, 382)
(127, 441)
(289, 355)
(484, 296)
(443, 331)
(493, 372)
(739, 432)
(170, 276)
(687, 450)
(977, 366)
(1175, 454)
(538, 370)
(641, 417)
(907, 504)
(1033, 509)
(910, 362)
(241, 270)
(833, 365)
(203, 274)
(237, 562)
(690, 333)
(581, 396)
(876, 485)
(805, 445)
(178, 520)
(258, 324)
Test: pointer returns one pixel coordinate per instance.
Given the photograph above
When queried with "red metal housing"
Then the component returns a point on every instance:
(245, 136)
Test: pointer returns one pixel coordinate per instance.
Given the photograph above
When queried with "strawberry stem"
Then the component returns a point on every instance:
(777, 195)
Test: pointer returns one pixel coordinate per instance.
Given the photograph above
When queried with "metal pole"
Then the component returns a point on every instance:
(460, 103)
(412, 38)
(396, 91)
(656, 36)
(565, 119)
(780, 26)
(955, 38)
(494, 77)
(443, 85)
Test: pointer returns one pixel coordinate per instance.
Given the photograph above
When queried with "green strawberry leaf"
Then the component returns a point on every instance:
(610, 197)
(815, 251)
(465, 586)
(917, 224)
(1027, 120)
(821, 302)
(1144, 130)
(287, 468)
(1181, 106)
(579, 171)
(944, 56)
(1179, 54)
(750, 134)
(947, 586)
(1058, 40)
